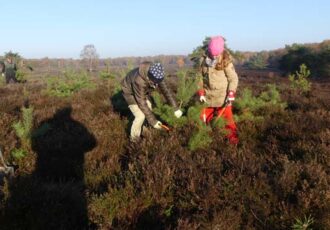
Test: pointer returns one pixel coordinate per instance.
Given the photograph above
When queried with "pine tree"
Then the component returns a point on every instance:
(199, 51)
(299, 80)
(187, 87)
(25, 133)
(68, 84)
(23, 129)
(201, 136)
(200, 139)
(272, 96)
(166, 112)
(247, 105)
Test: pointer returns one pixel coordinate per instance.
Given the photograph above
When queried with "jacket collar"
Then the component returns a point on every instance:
(143, 70)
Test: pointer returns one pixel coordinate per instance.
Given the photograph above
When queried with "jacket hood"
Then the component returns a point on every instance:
(143, 70)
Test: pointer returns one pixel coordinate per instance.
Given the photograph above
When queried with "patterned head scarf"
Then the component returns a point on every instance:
(156, 72)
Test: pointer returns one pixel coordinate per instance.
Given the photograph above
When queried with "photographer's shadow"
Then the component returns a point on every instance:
(53, 197)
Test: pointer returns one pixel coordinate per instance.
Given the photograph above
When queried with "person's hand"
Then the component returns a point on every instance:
(178, 113)
(3, 74)
(201, 94)
(230, 96)
(158, 125)
(202, 99)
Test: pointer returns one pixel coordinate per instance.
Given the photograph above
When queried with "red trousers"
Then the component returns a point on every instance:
(226, 113)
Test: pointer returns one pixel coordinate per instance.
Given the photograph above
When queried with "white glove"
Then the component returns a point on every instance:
(178, 113)
(202, 99)
(3, 74)
(158, 125)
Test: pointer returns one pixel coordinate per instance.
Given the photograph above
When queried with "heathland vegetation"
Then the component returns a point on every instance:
(65, 133)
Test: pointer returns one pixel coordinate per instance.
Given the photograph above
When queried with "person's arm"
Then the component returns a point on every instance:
(168, 95)
(200, 85)
(139, 91)
(232, 77)
(201, 91)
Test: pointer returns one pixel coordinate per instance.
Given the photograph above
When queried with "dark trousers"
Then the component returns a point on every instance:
(11, 77)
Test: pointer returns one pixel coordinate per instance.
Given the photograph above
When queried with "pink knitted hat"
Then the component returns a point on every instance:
(216, 46)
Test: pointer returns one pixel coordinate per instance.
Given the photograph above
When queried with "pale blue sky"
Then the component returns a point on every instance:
(40, 28)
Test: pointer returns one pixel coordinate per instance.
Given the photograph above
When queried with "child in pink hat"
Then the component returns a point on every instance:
(218, 87)
(216, 46)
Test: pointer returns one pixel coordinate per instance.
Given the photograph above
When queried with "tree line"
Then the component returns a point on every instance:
(315, 56)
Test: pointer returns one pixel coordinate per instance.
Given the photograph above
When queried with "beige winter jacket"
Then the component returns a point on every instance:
(217, 83)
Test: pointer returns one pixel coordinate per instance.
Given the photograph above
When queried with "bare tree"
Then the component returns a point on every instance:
(89, 55)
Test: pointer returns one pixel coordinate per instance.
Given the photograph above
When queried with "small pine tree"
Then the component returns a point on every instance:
(68, 84)
(201, 136)
(272, 96)
(200, 139)
(2, 80)
(18, 153)
(106, 75)
(199, 51)
(299, 80)
(187, 87)
(303, 224)
(20, 76)
(166, 112)
(24, 131)
(248, 105)
(220, 124)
